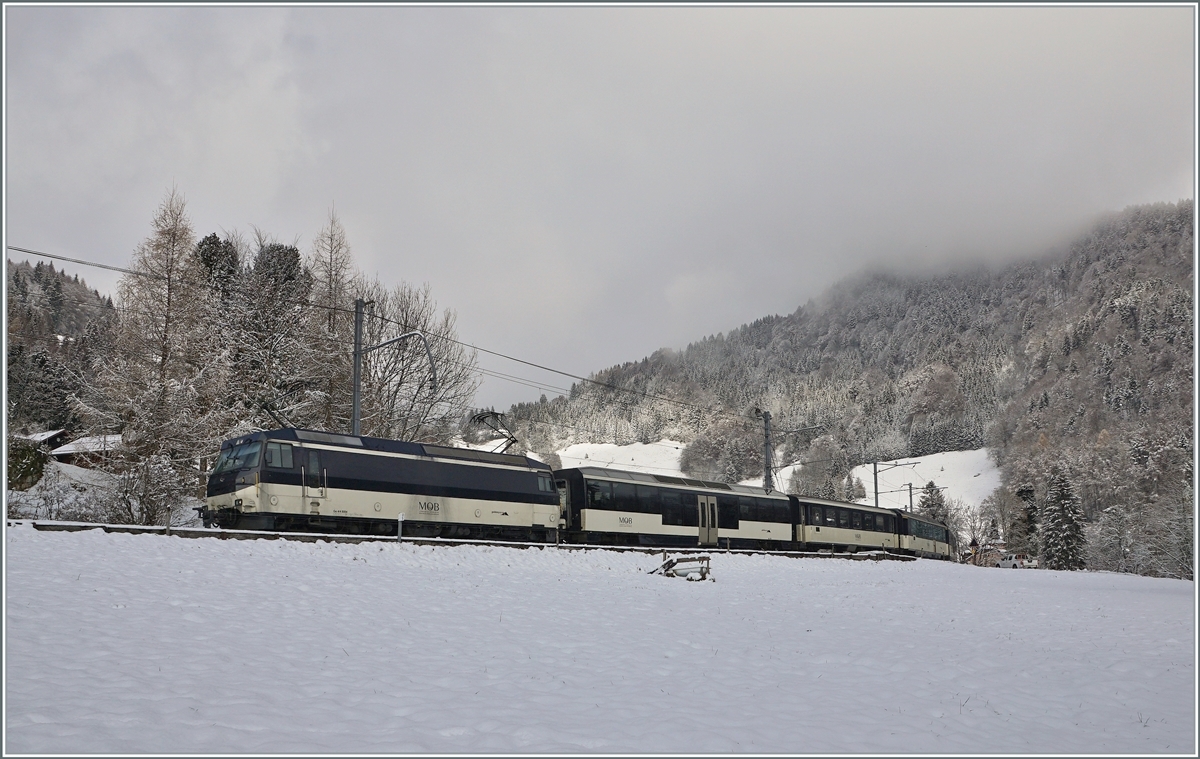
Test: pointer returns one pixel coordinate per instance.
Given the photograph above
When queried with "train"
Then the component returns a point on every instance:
(306, 480)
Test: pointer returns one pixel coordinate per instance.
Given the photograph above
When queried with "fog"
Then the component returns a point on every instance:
(586, 185)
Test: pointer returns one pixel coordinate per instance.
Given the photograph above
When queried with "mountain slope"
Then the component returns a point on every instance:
(1081, 360)
(53, 322)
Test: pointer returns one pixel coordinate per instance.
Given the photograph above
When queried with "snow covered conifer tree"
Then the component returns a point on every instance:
(1062, 539)
(933, 503)
(220, 261)
(271, 348)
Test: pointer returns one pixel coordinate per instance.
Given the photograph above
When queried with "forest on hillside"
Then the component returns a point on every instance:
(1079, 363)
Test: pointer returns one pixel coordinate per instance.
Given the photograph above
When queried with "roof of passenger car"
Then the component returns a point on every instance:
(659, 479)
(385, 445)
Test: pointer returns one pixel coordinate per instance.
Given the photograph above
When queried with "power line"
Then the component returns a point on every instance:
(79, 261)
(607, 385)
(345, 343)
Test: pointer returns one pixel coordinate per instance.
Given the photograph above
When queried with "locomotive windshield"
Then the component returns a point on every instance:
(244, 456)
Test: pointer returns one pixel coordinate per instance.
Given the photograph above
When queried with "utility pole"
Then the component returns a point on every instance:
(356, 413)
(359, 352)
(910, 503)
(768, 453)
(768, 482)
(875, 469)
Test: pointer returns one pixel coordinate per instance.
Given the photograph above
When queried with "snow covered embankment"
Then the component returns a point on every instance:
(150, 644)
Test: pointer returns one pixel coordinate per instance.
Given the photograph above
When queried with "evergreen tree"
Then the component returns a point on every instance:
(1062, 538)
(933, 503)
(1023, 535)
(220, 261)
(54, 296)
(39, 385)
(269, 342)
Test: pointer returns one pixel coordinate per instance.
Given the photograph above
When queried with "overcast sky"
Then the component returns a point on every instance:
(586, 185)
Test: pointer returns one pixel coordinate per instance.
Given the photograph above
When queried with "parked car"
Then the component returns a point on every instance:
(1017, 561)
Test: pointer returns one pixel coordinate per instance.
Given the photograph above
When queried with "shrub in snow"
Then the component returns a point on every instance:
(150, 492)
(60, 496)
(26, 462)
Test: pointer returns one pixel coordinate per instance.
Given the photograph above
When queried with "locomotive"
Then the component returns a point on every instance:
(305, 480)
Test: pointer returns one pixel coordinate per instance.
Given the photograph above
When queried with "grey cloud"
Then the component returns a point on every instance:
(585, 185)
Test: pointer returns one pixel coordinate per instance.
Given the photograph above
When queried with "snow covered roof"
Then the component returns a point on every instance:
(92, 444)
(40, 437)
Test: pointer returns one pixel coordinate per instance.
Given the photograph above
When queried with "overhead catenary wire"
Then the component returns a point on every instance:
(525, 381)
(607, 385)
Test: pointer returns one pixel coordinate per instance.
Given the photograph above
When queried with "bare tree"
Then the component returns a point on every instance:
(332, 268)
(160, 383)
(399, 399)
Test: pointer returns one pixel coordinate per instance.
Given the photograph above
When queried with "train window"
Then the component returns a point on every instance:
(672, 507)
(599, 495)
(312, 472)
(279, 455)
(856, 520)
(691, 510)
(747, 509)
(727, 512)
(814, 515)
(830, 516)
(889, 524)
(771, 510)
(545, 484)
(925, 530)
(624, 496)
(647, 499)
(843, 518)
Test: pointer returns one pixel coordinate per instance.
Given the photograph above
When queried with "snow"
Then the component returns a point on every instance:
(83, 476)
(969, 476)
(650, 458)
(151, 644)
(40, 437)
(94, 444)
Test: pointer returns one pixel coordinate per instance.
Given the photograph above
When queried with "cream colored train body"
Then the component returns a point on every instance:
(292, 479)
(316, 481)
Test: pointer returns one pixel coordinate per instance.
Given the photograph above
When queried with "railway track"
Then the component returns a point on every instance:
(319, 537)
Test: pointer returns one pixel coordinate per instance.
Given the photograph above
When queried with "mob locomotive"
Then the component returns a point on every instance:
(294, 479)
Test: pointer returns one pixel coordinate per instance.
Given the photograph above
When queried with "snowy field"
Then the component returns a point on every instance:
(651, 458)
(969, 476)
(150, 644)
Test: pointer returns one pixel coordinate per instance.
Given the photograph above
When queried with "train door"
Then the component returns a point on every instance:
(315, 488)
(564, 501)
(708, 520)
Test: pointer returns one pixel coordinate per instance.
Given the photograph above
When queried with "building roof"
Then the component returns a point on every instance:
(93, 444)
(40, 437)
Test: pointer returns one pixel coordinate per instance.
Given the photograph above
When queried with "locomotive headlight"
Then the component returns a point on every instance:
(237, 503)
